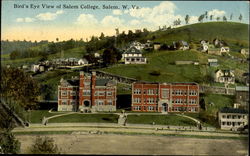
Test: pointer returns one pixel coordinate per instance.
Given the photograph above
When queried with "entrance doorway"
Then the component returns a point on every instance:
(164, 107)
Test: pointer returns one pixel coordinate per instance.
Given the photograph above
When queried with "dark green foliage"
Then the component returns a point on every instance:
(15, 54)
(18, 85)
(8, 143)
(44, 145)
(208, 118)
(155, 73)
(111, 56)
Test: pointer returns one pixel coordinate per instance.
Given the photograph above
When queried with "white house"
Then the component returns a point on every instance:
(224, 49)
(224, 76)
(232, 118)
(133, 56)
(137, 45)
(212, 62)
(34, 67)
(82, 61)
(97, 55)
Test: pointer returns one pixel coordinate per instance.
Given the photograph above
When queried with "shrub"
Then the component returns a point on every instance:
(155, 73)
(44, 146)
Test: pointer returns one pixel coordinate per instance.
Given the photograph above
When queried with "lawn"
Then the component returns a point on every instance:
(218, 101)
(36, 116)
(169, 119)
(89, 118)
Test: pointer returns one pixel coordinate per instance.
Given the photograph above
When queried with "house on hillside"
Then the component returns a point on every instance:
(183, 45)
(232, 118)
(133, 56)
(97, 55)
(204, 46)
(35, 67)
(82, 61)
(212, 62)
(157, 45)
(224, 76)
(214, 51)
(165, 97)
(137, 45)
(242, 96)
(148, 45)
(224, 49)
(89, 94)
(244, 51)
(219, 43)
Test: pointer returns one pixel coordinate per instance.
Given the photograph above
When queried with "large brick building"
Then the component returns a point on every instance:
(87, 94)
(165, 97)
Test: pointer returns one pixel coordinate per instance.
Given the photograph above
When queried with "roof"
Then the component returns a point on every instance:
(102, 82)
(132, 50)
(226, 72)
(242, 88)
(212, 60)
(73, 82)
(233, 110)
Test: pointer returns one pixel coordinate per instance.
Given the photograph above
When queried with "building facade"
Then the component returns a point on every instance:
(165, 97)
(87, 94)
(232, 119)
(133, 56)
(224, 76)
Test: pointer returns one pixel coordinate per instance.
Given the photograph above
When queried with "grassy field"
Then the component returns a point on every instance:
(170, 119)
(218, 101)
(36, 116)
(94, 118)
(164, 63)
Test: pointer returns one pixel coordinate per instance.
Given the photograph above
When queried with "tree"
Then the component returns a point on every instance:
(218, 18)
(231, 17)
(15, 54)
(240, 17)
(206, 15)
(44, 145)
(20, 87)
(187, 19)
(8, 143)
(224, 18)
(201, 17)
(211, 17)
(111, 56)
(102, 36)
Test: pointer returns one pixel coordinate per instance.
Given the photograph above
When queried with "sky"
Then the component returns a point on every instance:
(32, 20)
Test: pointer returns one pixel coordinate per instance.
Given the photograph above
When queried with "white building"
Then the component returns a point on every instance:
(224, 76)
(133, 56)
(82, 62)
(232, 118)
(137, 45)
(224, 49)
(34, 67)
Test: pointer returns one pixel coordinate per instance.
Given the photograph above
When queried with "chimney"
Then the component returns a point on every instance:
(81, 78)
(93, 79)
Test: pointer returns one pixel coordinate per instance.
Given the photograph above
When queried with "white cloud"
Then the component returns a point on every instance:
(86, 20)
(110, 21)
(26, 20)
(117, 12)
(134, 22)
(162, 14)
(216, 13)
(48, 16)
(193, 19)
(19, 20)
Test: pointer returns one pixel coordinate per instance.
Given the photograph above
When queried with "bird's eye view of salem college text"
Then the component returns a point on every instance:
(124, 77)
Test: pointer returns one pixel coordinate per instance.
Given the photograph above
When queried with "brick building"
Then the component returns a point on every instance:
(87, 94)
(165, 97)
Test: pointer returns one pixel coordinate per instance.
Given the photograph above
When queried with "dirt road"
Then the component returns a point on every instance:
(142, 144)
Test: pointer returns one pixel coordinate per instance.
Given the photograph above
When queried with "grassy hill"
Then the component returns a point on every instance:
(231, 32)
(163, 62)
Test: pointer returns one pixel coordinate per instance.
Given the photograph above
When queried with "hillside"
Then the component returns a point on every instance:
(231, 32)
(163, 63)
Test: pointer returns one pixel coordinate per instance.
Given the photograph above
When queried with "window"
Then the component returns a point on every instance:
(192, 101)
(137, 100)
(137, 107)
(86, 83)
(150, 107)
(73, 93)
(64, 93)
(137, 91)
(109, 93)
(73, 103)
(223, 116)
(110, 102)
(150, 92)
(165, 93)
(192, 92)
(229, 123)
(150, 100)
(100, 102)
(86, 92)
(64, 102)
